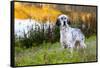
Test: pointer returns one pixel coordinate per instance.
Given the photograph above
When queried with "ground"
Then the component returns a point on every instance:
(48, 53)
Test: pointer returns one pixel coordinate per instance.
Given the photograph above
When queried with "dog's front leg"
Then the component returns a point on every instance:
(62, 42)
(62, 45)
(71, 49)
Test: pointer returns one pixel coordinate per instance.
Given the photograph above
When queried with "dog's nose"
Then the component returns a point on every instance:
(64, 23)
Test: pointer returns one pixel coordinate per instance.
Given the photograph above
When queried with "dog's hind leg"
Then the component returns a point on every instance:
(82, 44)
(83, 47)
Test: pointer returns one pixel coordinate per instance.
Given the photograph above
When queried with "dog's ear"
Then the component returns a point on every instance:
(68, 21)
(58, 22)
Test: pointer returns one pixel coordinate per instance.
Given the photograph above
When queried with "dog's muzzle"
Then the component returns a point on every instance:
(64, 23)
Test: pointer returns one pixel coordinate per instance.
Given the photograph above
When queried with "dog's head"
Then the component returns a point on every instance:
(63, 21)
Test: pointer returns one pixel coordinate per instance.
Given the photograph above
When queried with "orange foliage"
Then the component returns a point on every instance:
(87, 17)
(83, 16)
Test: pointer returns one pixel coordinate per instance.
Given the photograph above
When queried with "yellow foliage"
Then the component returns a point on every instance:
(37, 13)
(47, 13)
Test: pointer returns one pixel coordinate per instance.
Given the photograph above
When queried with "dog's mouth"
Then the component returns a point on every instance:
(65, 25)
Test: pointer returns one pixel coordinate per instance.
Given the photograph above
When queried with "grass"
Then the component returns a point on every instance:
(48, 53)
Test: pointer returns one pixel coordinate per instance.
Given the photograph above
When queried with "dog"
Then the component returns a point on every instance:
(69, 37)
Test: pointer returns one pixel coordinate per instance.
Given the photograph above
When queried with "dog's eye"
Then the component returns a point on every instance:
(61, 18)
(65, 18)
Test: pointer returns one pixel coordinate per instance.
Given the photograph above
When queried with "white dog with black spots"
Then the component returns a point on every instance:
(69, 37)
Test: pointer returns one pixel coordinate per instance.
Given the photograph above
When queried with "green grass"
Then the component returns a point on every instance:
(48, 53)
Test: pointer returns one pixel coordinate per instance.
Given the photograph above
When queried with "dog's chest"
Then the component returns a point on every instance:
(66, 34)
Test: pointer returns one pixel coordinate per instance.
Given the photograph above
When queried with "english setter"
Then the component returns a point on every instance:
(69, 37)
